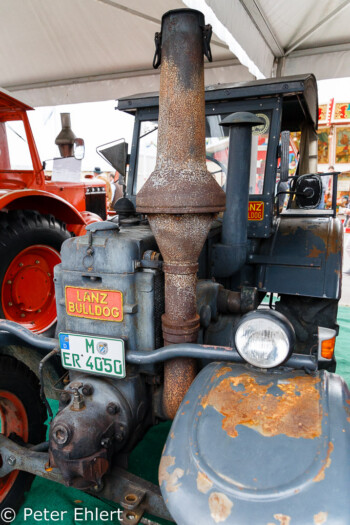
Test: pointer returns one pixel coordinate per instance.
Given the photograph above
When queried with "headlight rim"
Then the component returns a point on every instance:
(279, 319)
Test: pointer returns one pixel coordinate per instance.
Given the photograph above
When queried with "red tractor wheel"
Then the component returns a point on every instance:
(29, 250)
(22, 415)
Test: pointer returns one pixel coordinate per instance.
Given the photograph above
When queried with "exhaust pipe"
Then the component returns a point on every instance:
(65, 139)
(230, 255)
(181, 198)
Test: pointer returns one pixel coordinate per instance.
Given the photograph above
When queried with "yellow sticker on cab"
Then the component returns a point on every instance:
(256, 211)
(104, 305)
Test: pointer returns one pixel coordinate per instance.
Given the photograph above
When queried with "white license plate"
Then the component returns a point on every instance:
(94, 355)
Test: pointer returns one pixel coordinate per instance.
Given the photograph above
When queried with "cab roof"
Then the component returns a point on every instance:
(299, 94)
(10, 104)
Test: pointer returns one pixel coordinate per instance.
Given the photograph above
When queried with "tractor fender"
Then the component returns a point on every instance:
(258, 446)
(43, 202)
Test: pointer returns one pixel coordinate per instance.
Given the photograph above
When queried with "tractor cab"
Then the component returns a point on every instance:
(285, 104)
(292, 245)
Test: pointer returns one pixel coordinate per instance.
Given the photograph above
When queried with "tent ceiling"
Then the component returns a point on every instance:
(65, 51)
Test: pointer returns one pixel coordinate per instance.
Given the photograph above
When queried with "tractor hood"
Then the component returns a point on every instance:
(251, 446)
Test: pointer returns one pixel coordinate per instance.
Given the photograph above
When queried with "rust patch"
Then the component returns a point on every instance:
(224, 370)
(220, 506)
(325, 463)
(315, 252)
(347, 410)
(203, 482)
(282, 518)
(296, 413)
(172, 479)
(172, 435)
(320, 518)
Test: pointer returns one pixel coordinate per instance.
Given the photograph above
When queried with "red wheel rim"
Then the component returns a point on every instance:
(28, 294)
(13, 419)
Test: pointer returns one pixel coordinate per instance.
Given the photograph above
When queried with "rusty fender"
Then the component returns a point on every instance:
(254, 446)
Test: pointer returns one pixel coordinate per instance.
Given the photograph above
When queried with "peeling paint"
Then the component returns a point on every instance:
(325, 463)
(296, 413)
(220, 506)
(224, 370)
(315, 252)
(204, 484)
(171, 479)
(282, 518)
(320, 518)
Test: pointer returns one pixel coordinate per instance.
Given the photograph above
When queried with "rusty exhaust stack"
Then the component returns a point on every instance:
(181, 198)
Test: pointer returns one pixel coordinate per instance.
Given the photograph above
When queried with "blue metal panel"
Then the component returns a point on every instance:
(302, 258)
(248, 447)
(112, 267)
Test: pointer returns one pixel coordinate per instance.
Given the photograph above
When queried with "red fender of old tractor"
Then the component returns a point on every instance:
(47, 203)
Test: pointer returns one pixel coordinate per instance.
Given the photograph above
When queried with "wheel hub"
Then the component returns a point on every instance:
(13, 419)
(28, 295)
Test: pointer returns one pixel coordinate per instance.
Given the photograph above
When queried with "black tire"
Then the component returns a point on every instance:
(18, 380)
(19, 230)
(306, 314)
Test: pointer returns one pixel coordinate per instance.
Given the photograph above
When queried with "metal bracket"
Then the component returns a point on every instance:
(207, 32)
(158, 52)
(134, 494)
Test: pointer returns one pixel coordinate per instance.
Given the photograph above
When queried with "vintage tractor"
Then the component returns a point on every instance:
(37, 215)
(161, 315)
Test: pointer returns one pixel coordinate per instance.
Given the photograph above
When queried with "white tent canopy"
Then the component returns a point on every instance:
(66, 51)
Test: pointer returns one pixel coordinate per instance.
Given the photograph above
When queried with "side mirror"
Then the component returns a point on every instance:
(79, 149)
(116, 154)
(284, 167)
(308, 191)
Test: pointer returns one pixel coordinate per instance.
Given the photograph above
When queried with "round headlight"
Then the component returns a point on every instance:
(264, 338)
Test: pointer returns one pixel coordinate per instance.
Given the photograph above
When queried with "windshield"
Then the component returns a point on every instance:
(216, 142)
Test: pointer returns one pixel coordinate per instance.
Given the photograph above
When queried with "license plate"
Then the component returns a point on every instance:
(94, 355)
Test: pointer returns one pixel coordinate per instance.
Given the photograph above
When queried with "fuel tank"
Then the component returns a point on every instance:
(262, 447)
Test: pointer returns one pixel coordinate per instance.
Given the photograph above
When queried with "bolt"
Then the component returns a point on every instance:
(20, 264)
(120, 436)
(87, 390)
(23, 315)
(9, 281)
(61, 435)
(49, 274)
(65, 398)
(105, 442)
(11, 460)
(37, 262)
(10, 304)
(39, 311)
(113, 409)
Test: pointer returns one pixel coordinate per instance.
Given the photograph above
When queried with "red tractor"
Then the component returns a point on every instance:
(36, 215)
